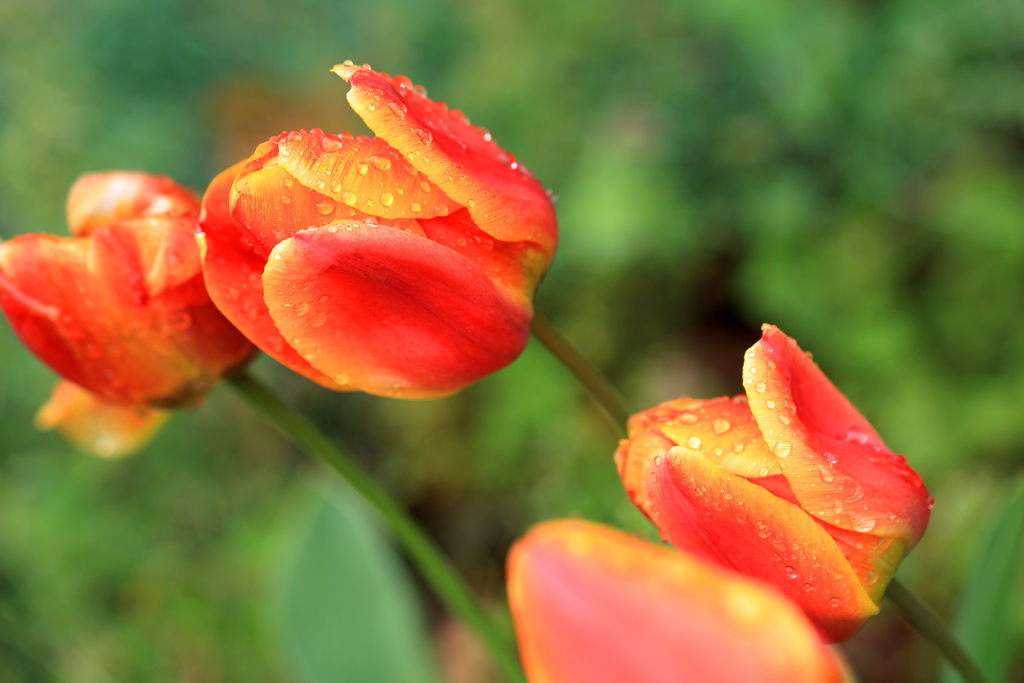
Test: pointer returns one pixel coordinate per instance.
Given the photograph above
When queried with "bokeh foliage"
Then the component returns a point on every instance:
(851, 170)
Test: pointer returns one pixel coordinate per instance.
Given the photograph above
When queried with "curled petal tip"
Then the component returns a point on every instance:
(347, 68)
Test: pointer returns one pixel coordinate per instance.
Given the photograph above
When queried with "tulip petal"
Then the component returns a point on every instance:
(116, 314)
(515, 267)
(701, 508)
(835, 462)
(463, 160)
(363, 173)
(408, 317)
(272, 204)
(723, 429)
(106, 430)
(593, 605)
(234, 279)
(98, 199)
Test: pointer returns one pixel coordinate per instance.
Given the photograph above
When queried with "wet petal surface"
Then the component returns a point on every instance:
(463, 160)
(390, 312)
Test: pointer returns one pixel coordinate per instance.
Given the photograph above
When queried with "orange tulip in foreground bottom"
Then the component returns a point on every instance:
(593, 605)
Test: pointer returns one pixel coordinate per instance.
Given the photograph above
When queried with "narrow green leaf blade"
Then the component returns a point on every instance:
(983, 623)
(350, 612)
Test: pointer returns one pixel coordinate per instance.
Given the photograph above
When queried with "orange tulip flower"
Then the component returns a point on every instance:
(593, 605)
(120, 308)
(400, 265)
(789, 484)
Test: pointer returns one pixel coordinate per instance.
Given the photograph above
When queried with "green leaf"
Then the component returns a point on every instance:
(350, 612)
(983, 623)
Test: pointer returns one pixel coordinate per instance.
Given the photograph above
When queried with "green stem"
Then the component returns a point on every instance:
(929, 625)
(589, 376)
(433, 565)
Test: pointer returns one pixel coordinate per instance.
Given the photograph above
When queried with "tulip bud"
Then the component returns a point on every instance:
(400, 265)
(120, 309)
(593, 605)
(789, 484)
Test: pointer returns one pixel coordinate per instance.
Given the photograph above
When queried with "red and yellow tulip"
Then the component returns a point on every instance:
(787, 483)
(401, 265)
(120, 308)
(593, 605)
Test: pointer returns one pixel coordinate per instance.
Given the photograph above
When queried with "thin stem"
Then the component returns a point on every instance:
(589, 376)
(920, 616)
(929, 625)
(433, 565)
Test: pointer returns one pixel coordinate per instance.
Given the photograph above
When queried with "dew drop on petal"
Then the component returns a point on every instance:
(721, 426)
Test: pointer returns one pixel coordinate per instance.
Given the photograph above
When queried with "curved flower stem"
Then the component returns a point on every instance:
(435, 568)
(606, 395)
(920, 616)
(929, 625)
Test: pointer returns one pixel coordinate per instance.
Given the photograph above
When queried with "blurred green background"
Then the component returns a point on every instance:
(850, 170)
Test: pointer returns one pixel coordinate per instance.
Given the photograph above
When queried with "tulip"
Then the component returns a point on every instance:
(400, 265)
(788, 484)
(593, 605)
(119, 309)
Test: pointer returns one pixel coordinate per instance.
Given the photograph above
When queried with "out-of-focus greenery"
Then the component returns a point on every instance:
(849, 170)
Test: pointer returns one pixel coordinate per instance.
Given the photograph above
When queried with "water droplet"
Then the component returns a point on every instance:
(387, 199)
(834, 602)
(760, 387)
(398, 108)
(826, 473)
(286, 199)
(471, 203)
(415, 207)
(862, 523)
(763, 471)
(721, 426)
(382, 163)
(782, 449)
(693, 442)
(329, 144)
(363, 169)
(688, 418)
(317, 319)
(425, 135)
(326, 207)
(350, 198)
(288, 182)
(425, 186)
(784, 419)
(791, 573)
(837, 507)
(738, 447)
(752, 371)
(341, 378)
(770, 404)
(808, 587)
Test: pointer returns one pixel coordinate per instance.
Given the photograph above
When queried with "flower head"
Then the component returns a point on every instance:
(788, 483)
(593, 605)
(401, 265)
